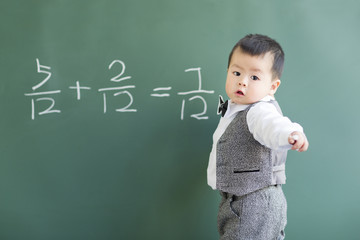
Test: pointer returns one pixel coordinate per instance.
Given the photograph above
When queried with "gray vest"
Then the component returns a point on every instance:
(243, 165)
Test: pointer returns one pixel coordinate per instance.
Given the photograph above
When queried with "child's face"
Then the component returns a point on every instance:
(249, 78)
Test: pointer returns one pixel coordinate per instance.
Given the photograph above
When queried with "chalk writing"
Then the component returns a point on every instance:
(78, 88)
(40, 69)
(161, 94)
(198, 116)
(114, 92)
(118, 78)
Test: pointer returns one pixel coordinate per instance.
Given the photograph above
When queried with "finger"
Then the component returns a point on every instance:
(293, 138)
(298, 144)
(305, 146)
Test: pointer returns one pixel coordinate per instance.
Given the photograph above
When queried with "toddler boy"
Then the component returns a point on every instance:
(247, 161)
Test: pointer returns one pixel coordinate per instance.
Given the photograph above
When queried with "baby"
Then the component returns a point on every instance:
(250, 144)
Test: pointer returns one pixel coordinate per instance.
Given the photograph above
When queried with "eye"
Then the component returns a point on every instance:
(236, 73)
(255, 78)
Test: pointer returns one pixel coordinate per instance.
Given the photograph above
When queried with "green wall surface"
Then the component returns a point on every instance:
(108, 110)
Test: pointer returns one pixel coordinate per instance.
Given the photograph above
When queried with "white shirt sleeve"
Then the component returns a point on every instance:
(269, 127)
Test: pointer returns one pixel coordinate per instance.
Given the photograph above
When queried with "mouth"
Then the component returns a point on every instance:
(240, 93)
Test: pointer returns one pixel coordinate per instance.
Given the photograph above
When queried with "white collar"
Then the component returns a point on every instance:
(234, 107)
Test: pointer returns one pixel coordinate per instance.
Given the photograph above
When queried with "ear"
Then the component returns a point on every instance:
(274, 86)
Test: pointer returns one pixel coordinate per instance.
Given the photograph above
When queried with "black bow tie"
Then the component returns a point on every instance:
(222, 106)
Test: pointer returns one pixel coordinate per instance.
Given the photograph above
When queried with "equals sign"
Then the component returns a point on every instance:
(161, 94)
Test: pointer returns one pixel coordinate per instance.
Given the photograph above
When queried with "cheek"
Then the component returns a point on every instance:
(228, 87)
(256, 91)
(228, 83)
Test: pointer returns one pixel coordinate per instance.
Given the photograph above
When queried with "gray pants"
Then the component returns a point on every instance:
(260, 215)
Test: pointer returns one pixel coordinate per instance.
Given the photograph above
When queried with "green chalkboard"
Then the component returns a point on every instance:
(108, 110)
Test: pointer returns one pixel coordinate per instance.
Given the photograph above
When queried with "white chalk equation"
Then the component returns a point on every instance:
(49, 96)
(45, 70)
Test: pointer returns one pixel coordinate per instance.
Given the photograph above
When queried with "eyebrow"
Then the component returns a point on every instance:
(257, 70)
(234, 65)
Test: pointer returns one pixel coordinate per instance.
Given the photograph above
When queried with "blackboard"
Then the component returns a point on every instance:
(108, 109)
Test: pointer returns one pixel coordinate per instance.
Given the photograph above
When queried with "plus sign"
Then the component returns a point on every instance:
(78, 88)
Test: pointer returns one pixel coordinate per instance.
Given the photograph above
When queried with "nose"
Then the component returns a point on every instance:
(242, 82)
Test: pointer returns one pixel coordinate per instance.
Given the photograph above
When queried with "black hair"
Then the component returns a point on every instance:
(257, 45)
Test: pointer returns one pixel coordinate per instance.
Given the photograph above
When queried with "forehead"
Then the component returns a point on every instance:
(243, 60)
